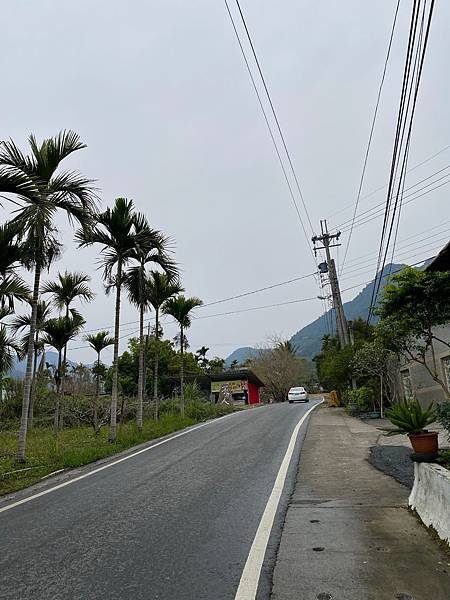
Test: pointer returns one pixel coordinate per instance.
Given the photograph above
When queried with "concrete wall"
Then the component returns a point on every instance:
(423, 387)
(430, 497)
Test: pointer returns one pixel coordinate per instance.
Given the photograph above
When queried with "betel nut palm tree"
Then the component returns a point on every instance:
(98, 342)
(32, 182)
(22, 323)
(180, 308)
(57, 333)
(153, 250)
(116, 232)
(160, 287)
(67, 288)
(12, 287)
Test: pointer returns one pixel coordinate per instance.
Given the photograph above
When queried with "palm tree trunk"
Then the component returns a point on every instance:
(182, 370)
(156, 366)
(115, 378)
(63, 388)
(33, 386)
(97, 394)
(29, 370)
(141, 368)
(58, 394)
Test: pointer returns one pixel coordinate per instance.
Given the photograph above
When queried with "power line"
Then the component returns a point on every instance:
(383, 187)
(361, 181)
(255, 87)
(380, 213)
(345, 224)
(273, 112)
(373, 254)
(401, 128)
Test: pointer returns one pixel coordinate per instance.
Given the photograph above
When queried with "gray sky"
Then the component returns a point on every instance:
(159, 92)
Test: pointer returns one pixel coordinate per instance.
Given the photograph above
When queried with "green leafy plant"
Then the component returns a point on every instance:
(359, 400)
(443, 416)
(409, 417)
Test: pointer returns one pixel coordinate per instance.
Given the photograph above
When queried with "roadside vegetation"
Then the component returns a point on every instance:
(66, 414)
(79, 445)
(413, 306)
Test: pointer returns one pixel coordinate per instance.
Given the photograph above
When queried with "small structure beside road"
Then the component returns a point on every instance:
(236, 387)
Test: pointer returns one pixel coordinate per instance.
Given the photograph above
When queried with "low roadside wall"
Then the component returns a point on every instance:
(430, 497)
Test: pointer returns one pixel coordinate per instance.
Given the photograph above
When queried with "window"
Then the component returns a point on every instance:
(446, 370)
(407, 384)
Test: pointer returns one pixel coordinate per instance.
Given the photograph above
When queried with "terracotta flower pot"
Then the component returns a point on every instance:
(425, 442)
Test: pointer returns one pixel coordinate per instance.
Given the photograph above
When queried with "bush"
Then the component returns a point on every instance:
(359, 400)
(443, 416)
(202, 411)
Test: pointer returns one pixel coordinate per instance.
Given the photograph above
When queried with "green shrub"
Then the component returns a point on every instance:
(359, 400)
(202, 411)
(443, 416)
(409, 417)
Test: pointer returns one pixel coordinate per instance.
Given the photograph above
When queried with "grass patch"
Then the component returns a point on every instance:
(79, 446)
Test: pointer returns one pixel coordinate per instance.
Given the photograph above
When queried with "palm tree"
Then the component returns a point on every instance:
(154, 250)
(8, 350)
(180, 308)
(98, 342)
(23, 322)
(67, 288)
(39, 192)
(12, 287)
(161, 287)
(116, 232)
(58, 332)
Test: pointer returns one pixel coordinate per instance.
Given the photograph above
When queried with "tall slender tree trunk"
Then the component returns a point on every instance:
(156, 365)
(97, 394)
(58, 394)
(64, 380)
(33, 384)
(29, 370)
(115, 378)
(141, 368)
(182, 369)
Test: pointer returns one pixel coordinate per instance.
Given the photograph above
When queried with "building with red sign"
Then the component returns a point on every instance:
(238, 386)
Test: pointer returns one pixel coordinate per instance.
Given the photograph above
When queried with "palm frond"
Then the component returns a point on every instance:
(99, 341)
(180, 308)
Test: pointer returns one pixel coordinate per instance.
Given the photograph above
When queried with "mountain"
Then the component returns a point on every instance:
(20, 366)
(241, 355)
(308, 340)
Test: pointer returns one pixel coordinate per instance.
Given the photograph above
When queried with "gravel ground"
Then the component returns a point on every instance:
(394, 461)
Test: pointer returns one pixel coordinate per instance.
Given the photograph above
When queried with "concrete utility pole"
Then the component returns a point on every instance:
(341, 322)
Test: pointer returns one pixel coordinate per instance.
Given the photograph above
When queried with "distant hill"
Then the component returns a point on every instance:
(308, 339)
(241, 355)
(19, 367)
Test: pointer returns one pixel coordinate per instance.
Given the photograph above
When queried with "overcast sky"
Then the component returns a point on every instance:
(159, 92)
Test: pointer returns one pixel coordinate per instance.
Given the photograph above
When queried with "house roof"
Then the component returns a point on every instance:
(441, 262)
(235, 374)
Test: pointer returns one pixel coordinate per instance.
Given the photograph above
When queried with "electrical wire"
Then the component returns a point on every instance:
(280, 160)
(374, 118)
(379, 189)
(402, 126)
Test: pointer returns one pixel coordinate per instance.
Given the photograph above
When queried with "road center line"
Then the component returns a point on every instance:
(248, 585)
(111, 464)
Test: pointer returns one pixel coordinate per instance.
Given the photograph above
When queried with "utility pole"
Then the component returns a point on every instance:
(326, 239)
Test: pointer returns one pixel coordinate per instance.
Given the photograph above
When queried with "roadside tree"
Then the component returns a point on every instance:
(39, 192)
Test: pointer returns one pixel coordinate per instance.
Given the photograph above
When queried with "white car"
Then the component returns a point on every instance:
(297, 394)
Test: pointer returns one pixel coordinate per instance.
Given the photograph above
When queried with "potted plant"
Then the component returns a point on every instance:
(411, 419)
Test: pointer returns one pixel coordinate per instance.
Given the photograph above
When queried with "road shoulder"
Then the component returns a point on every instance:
(348, 533)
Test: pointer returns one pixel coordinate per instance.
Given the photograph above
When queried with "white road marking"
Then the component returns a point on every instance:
(248, 585)
(111, 464)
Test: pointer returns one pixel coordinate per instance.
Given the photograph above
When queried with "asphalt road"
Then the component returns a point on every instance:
(173, 523)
